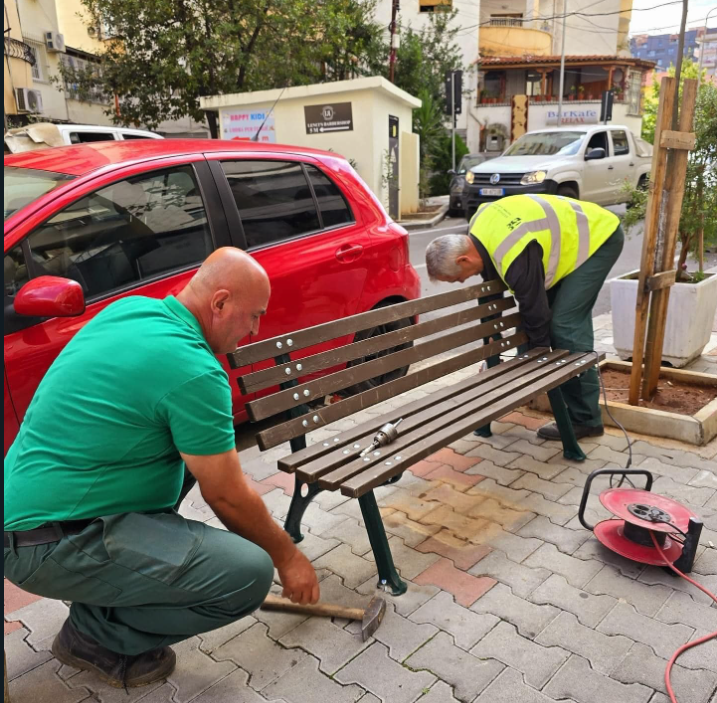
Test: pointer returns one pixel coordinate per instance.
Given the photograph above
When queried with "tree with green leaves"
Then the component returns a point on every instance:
(167, 54)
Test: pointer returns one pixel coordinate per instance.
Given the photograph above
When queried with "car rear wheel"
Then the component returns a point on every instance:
(380, 379)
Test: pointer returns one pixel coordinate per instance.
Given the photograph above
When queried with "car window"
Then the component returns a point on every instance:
(84, 137)
(134, 136)
(24, 185)
(332, 205)
(598, 141)
(16, 275)
(274, 200)
(620, 143)
(129, 231)
(546, 144)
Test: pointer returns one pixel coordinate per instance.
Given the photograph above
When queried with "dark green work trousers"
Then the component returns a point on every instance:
(571, 303)
(139, 581)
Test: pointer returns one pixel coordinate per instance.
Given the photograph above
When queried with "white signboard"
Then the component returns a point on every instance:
(582, 115)
(243, 125)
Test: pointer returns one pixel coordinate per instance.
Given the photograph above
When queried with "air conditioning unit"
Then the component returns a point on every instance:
(54, 41)
(28, 100)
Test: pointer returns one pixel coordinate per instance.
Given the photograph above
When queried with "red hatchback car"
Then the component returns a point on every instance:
(138, 218)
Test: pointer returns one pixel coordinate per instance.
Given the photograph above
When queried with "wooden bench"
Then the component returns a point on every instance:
(299, 381)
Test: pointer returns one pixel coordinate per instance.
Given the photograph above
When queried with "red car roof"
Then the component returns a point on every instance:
(80, 159)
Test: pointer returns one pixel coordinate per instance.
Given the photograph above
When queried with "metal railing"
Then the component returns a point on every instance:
(506, 22)
(16, 49)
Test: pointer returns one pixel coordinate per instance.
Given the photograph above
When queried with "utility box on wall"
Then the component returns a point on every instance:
(356, 119)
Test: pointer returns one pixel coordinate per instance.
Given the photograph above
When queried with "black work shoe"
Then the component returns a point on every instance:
(119, 670)
(551, 431)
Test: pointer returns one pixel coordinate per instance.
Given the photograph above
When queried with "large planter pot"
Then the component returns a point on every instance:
(690, 315)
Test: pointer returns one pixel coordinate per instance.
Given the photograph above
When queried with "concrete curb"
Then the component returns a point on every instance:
(426, 224)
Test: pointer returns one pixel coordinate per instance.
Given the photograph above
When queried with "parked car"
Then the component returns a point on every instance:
(40, 135)
(458, 182)
(590, 162)
(125, 219)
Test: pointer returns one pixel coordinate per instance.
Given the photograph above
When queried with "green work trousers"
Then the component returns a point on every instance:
(571, 303)
(139, 581)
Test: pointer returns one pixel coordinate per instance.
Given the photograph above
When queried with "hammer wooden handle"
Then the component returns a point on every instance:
(326, 610)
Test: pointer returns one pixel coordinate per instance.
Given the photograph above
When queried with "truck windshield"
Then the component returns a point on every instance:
(546, 144)
(23, 185)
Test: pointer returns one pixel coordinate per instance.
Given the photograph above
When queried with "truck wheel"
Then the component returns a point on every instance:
(568, 192)
(469, 214)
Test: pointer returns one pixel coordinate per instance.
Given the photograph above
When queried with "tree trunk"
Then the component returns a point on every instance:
(684, 251)
(213, 124)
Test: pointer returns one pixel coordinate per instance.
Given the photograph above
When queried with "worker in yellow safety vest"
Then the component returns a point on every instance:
(554, 253)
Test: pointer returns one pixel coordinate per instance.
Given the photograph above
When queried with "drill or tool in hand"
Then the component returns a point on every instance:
(384, 436)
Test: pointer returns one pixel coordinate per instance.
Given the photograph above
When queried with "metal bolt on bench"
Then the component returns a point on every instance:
(384, 344)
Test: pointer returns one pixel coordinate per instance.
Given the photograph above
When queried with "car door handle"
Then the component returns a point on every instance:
(610, 168)
(632, 163)
(349, 253)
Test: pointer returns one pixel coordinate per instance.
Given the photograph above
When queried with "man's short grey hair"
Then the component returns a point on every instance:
(441, 255)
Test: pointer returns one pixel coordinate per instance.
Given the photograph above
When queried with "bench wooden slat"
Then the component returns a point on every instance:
(435, 418)
(326, 385)
(378, 475)
(414, 416)
(275, 375)
(286, 431)
(301, 339)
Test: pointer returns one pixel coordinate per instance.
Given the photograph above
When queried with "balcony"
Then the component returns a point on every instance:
(510, 38)
(16, 49)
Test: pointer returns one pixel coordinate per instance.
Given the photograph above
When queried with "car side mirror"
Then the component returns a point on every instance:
(50, 296)
(594, 154)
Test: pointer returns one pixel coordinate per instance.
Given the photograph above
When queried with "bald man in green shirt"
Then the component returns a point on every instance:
(133, 411)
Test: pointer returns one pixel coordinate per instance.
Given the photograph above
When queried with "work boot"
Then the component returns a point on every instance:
(73, 648)
(551, 431)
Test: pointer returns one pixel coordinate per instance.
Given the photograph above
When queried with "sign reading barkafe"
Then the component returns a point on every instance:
(569, 115)
(331, 117)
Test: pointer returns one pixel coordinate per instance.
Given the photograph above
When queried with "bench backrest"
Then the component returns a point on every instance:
(302, 375)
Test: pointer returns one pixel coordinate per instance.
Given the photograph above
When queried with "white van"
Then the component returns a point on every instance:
(44, 134)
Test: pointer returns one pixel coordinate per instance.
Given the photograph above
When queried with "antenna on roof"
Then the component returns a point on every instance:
(255, 138)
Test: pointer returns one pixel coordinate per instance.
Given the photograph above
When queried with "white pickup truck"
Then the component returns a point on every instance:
(590, 162)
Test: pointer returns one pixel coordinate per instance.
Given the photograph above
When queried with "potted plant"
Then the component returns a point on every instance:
(619, 93)
(571, 93)
(581, 92)
(693, 299)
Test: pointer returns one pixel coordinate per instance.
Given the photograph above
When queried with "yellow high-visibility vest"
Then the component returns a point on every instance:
(569, 231)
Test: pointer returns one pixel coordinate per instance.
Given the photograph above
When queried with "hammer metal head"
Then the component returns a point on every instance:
(372, 617)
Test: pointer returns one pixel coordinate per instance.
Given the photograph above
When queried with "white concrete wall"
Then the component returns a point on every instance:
(409, 173)
(486, 115)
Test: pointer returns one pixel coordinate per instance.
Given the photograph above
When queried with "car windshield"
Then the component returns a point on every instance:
(23, 185)
(468, 162)
(546, 144)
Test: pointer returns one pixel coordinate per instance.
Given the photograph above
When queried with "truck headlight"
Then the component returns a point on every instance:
(533, 177)
(470, 177)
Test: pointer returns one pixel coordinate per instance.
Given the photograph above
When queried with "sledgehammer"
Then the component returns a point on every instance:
(370, 617)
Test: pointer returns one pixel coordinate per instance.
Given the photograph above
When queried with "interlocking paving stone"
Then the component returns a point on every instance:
(706, 563)
(410, 531)
(314, 547)
(354, 570)
(409, 562)
(566, 540)
(678, 473)
(618, 459)
(540, 453)
(260, 656)
(306, 684)
(464, 555)
(530, 423)
(44, 618)
(107, 694)
(703, 656)
(589, 609)
(231, 689)
(165, 694)
(587, 466)
(374, 670)
(414, 507)
(11, 627)
(658, 576)
(459, 501)
(523, 580)
(705, 479)
(663, 638)
(459, 480)
(529, 618)
(508, 518)
(466, 627)
(642, 666)
(518, 548)
(333, 646)
(647, 599)
(278, 623)
(352, 533)
(440, 692)
(401, 635)
(696, 495)
(499, 474)
(42, 685)
(448, 457)
(277, 503)
(680, 609)
(593, 549)
(465, 588)
(577, 680)
(468, 675)
(460, 525)
(21, 657)
(15, 598)
(510, 497)
(509, 687)
(535, 662)
(497, 456)
(558, 513)
(548, 489)
(321, 522)
(602, 651)
(547, 472)
(576, 571)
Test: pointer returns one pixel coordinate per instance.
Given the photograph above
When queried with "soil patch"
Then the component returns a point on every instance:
(424, 212)
(672, 396)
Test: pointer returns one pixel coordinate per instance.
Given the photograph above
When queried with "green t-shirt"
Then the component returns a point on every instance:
(102, 436)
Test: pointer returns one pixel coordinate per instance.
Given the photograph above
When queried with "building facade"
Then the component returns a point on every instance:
(662, 48)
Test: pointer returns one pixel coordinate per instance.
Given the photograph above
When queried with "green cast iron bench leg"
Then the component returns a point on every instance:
(571, 448)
